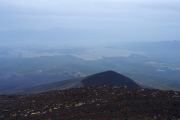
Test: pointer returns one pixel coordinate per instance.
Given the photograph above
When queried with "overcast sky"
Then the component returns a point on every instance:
(135, 19)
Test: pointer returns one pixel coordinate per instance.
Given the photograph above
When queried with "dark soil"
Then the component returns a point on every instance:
(94, 102)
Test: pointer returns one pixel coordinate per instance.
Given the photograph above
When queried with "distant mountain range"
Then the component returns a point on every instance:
(57, 35)
(103, 78)
(164, 50)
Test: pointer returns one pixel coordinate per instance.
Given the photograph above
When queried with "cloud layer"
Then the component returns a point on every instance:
(141, 19)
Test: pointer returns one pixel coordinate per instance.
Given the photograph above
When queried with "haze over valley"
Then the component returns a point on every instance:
(89, 59)
(154, 64)
(45, 42)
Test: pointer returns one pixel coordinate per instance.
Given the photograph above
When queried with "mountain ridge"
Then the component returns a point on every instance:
(103, 78)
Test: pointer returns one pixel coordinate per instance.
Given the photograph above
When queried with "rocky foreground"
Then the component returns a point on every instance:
(94, 102)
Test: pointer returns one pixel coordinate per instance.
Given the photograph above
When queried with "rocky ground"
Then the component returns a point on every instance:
(94, 102)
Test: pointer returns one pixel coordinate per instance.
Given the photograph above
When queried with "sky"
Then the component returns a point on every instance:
(144, 20)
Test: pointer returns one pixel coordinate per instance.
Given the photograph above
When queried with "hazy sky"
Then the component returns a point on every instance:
(135, 19)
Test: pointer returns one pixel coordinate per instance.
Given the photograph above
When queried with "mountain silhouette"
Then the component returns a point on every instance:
(103, 78)
(109, 78)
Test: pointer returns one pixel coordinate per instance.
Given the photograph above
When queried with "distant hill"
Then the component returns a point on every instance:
(109, 78)
(163, 51)
(103, 78)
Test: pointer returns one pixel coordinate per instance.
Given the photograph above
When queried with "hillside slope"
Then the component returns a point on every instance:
(103, 78)
(97, 102)
(109, 78)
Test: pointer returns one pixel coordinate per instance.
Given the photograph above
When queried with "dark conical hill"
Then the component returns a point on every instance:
(109, 78)
(103, 78)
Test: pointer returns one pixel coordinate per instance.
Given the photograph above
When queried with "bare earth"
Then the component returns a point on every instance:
(94, 102)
